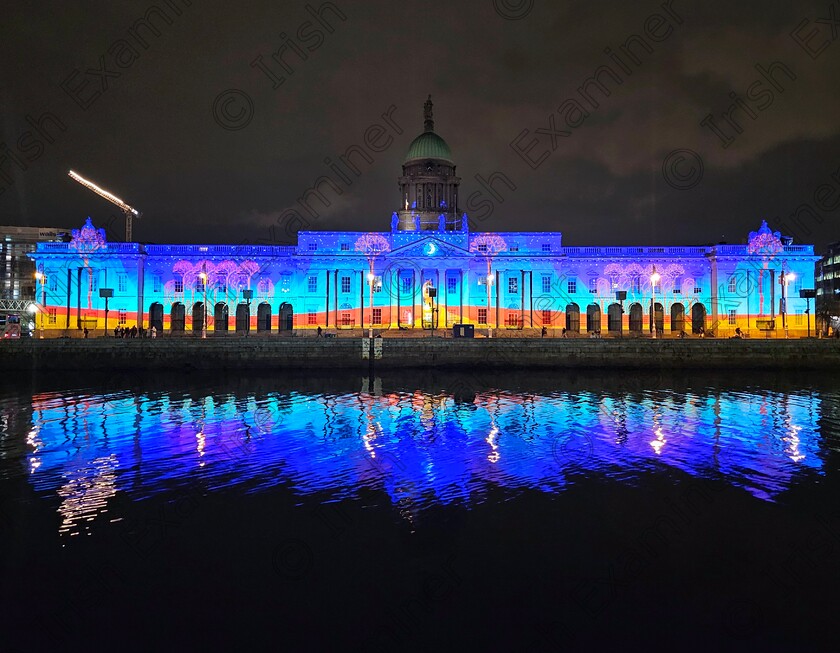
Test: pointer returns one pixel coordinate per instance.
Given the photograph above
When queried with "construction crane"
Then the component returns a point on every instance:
(129, 211)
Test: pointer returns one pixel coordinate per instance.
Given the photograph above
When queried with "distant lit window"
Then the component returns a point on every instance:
(546, 283)
(156, 283)
(179, 286)
(377, 316)
(546, 317)
(732, 315)
(122, 283)
(406, 284)
(733, 283)
(345, 284)
(51, 315)
(451, 284)
(572, 287)
(346, 319)
(482, 316)
(546, 247)
(121, 315)
(312, 283)
(513, 286)
(312, 318)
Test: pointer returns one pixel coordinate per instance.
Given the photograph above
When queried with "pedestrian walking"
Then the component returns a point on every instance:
(154, 331)
(86, 332)
(320, 332)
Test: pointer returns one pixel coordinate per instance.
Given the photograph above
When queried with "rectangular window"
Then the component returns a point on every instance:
(513, 286)
(312, 284)
(179, 286)
(313, 247)
(546, 284)
(345, 284)
(51, 314)
(678, 282)
(482, 247)
(52, 282)
(546, 247)
(122, 283)
(345, 247)
(636, 285)
(482, 280)
(732, 316)
(221, 287)
(482, 316)
(696, 290)
(406, 284)
(572, 287)
(546, 316)
(199, 286)
(377, 284)
(514, 248)
(346, 319)
(93, 282)
(377, 316)
(733, 284)
(312, 318)
(451, 284)
(156, 285)
(121, 316)
(593, 285)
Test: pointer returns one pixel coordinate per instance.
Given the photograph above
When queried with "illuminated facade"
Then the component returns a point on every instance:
(512, 281)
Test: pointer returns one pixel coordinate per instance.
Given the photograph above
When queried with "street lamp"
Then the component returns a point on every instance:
(39, 276)
(489, 283)
(203, 277)
(654, 279)
(784, 280)
(371, 278)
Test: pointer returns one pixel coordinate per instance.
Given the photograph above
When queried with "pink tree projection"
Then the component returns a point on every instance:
(488, 245)
(86, 241)
(371, 245)
(766, 244)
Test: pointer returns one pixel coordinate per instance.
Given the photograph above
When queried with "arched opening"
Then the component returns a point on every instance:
(197, 317)
(614, 318)
(659, 317)
(287, 317)
(220, 317)
(156, 317)
(573, 318)
(243, 318)
(177, 317)
(264, 317)
(593, 318)
(636, 317)
(698, 318)
(677, 317)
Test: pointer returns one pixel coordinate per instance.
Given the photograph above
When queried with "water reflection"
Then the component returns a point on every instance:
(421, 447)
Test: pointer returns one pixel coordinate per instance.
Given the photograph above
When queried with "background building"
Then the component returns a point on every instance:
(511, 281)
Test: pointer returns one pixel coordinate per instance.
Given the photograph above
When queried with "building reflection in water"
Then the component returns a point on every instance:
(420, 448)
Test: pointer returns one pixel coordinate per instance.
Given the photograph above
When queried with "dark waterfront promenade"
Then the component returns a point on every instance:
(265, 353)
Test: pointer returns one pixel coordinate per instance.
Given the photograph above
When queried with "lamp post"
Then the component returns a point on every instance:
(489, 283)
(43, 281)
(784, 279)
(370, 278)
(807, 294)
(654, 279)
(203, 277)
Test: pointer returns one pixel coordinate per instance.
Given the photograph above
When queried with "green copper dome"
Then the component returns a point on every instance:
(429, 145)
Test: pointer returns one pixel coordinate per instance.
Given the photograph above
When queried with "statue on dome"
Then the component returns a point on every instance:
(416, 222)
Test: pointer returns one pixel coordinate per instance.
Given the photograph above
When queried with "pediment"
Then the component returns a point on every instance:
(429, 247)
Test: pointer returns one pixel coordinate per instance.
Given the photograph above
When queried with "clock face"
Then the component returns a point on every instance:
(430, 249)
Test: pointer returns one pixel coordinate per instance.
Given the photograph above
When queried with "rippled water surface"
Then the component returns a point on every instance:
(294, 492)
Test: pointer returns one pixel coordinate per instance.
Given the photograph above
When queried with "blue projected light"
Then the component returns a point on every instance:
(430, 249)
(421, 449)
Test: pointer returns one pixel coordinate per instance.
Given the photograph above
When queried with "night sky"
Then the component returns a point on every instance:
(214, 141)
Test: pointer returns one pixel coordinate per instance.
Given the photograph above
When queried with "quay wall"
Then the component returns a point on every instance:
(441, 353)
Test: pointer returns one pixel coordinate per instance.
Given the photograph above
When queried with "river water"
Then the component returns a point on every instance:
(419, 511)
